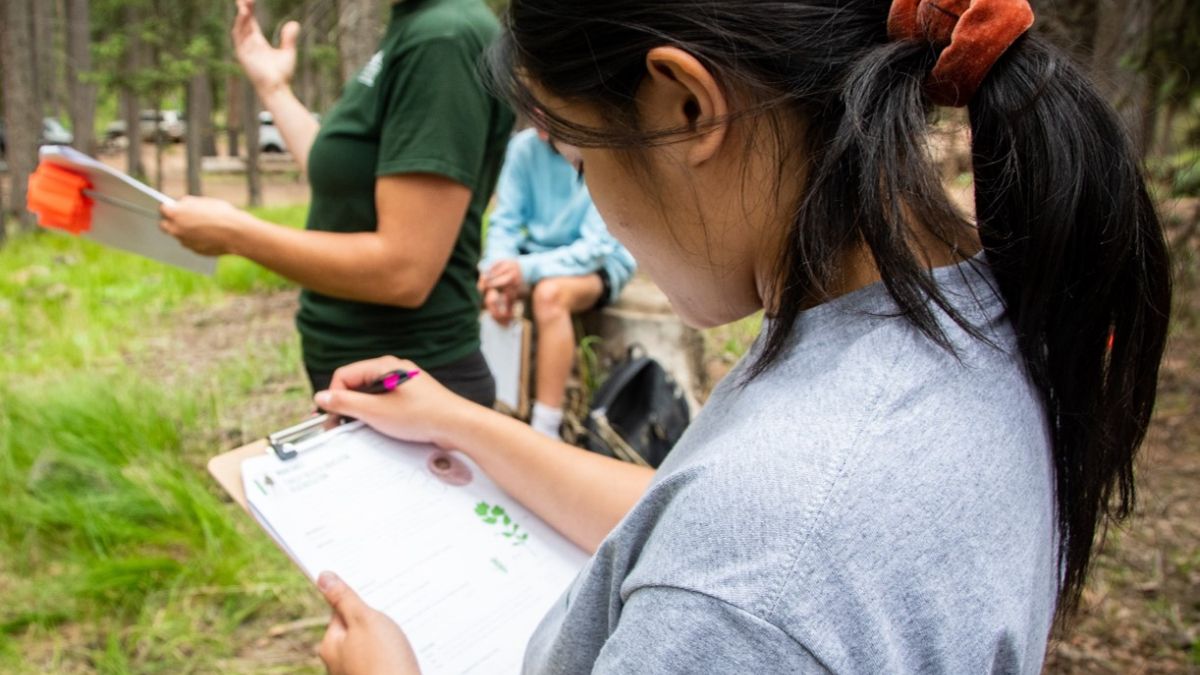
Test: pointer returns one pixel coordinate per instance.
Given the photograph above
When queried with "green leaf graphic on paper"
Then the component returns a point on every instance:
(496, 515)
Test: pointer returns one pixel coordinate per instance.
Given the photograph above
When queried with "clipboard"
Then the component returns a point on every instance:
(124, 212)
(448, 558)
(226, 469)
(508, 351)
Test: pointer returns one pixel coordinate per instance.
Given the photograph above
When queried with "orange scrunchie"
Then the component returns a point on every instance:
(973, 34)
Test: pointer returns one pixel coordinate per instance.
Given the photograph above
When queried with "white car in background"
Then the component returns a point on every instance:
(53, 133)
(269, 138)
(167, 124)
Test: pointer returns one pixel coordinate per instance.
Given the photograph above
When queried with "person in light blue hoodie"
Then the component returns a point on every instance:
(547, 242)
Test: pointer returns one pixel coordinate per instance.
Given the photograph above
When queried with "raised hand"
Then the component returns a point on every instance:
(267, 67)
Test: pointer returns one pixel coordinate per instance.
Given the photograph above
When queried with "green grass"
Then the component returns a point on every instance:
(117, 552)
(68, 303)
(731, 341)
(109, 526)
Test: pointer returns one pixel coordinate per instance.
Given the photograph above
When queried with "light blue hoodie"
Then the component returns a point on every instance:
(545, 219)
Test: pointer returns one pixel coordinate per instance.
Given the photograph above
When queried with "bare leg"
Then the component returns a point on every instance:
(554, 301)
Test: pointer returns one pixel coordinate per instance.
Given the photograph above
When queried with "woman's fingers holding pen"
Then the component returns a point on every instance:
(342, 399)
(360, 374)
(347, 403)
(419, 410)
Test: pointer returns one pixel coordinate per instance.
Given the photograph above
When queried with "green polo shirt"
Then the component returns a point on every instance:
(418, 107)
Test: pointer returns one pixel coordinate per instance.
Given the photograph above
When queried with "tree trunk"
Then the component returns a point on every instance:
(131, 104)
(62, 91)
(250, 125)
(45, 57)
(82, 101)
(1121, 34)
(233, 113)
(325, 75)
(358, 34)
(1071, 24)
(302, 82)
(208, 133)
(197, 119)
(1164, 144)
(159, 141)
(22, 114)
(250, 108)
(3, 165)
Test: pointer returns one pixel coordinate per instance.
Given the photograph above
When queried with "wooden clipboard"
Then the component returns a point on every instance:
(226, 469)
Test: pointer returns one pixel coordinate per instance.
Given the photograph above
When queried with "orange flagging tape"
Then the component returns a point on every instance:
(56, 197)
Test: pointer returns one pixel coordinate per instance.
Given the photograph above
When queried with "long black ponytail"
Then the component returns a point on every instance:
(1061, 206)
(1081, 260)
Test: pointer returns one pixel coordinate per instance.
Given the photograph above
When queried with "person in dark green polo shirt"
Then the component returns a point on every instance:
(401, 171)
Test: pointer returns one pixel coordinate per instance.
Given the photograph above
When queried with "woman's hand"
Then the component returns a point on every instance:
(421, 410)
(206, 226)
(360, 639)
(267, 67)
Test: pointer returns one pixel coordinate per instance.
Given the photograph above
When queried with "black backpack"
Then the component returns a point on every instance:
(639, 412)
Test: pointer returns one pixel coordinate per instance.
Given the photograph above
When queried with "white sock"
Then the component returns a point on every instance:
(546, 419)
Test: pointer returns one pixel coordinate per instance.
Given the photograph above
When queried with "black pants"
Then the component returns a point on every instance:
(468, 377)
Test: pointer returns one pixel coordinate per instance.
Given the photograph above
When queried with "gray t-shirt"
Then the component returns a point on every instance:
(871, 504)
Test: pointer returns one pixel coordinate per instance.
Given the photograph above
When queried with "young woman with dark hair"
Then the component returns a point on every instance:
(909, 470)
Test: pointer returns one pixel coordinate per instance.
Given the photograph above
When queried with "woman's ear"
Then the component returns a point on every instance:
(680, 93)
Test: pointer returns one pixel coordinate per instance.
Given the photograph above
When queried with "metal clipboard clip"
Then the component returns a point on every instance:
(285, 441)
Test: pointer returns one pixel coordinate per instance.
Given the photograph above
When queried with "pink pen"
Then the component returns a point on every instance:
(389, 381)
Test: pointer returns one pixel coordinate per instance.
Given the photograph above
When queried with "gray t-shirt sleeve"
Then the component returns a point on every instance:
(671, 630)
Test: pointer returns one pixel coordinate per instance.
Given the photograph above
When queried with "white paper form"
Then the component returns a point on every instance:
(466, 571)
(125, 214)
